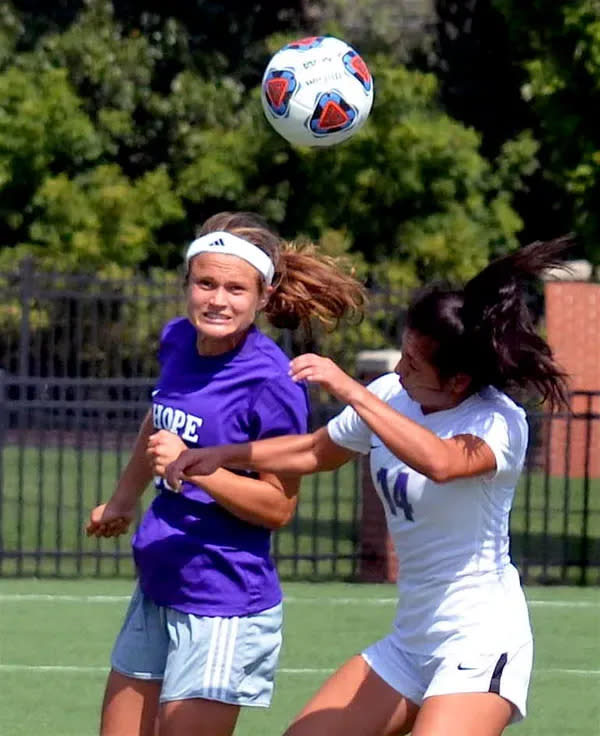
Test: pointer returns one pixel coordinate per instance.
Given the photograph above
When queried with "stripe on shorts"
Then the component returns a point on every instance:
(219, 660)
(497, 674)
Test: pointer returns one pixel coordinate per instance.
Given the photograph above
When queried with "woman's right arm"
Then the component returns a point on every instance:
(298, 454)
(113, 518)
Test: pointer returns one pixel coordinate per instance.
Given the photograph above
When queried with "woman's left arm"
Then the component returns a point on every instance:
(268, 501)
(441, 460)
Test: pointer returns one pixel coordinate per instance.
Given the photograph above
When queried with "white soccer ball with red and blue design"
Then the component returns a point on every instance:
(317, 91)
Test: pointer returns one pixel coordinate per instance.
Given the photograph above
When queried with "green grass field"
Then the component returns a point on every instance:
(55, 638)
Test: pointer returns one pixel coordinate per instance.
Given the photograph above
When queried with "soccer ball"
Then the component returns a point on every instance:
(317, 91)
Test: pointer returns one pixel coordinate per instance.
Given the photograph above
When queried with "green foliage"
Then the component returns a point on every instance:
(42, 130)
(57, 200)
(100, 216)
(63, 199)
(112, 72)
(10, 29)
(558, 45)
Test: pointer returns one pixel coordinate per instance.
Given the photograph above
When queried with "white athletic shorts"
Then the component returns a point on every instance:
(230, 659)
(419, 676)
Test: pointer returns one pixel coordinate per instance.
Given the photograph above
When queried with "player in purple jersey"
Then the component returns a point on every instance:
(202, 634)
(446, 445)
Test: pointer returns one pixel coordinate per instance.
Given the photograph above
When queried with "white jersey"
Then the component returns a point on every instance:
(456, 581)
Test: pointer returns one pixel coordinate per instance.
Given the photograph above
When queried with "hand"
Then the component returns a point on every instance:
(317, 369)
(163, 447)
(109, 520)
(200, 461)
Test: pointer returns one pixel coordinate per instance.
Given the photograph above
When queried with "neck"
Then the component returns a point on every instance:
(211, 346)
(453, 401)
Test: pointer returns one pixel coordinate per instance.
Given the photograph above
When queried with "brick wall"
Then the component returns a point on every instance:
(378, 561)
(573, 332)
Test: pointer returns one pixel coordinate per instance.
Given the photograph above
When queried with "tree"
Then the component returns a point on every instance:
(558, 46)
(57, 198)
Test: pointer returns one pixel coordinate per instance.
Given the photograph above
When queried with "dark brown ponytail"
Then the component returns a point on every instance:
(487, 330)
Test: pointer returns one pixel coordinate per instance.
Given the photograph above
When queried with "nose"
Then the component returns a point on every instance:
(218, 297)
(399, 365)
(399, 370)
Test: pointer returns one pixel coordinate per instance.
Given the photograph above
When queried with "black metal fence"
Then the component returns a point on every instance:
(78, 356)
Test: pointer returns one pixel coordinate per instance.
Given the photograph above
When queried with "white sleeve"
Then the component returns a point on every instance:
(506, 434)
(348, 430)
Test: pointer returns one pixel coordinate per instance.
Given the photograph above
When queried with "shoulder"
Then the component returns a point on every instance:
(267, 361)
(497, 403)
(282, 391)
(175, 337)
(177, 329)
(264, 353)
(386, 387)
(278, 406)
(501, 423)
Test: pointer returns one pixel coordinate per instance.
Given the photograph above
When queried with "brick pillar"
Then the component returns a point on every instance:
(378, 563)
(573, 332)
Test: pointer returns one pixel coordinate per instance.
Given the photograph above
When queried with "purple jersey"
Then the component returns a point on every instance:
(190, 552)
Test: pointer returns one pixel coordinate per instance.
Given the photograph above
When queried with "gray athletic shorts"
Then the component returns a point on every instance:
(230, 659)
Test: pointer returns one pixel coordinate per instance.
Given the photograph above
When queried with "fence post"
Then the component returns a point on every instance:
(377, 559)
(3, 420)
(24, 333)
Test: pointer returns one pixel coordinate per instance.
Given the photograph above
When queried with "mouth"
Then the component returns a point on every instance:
(216, 318)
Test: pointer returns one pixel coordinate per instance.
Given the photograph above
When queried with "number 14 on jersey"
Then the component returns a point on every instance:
(396, 498)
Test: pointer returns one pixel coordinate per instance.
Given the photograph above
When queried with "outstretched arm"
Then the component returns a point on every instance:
(440, 459)
(269, 500)
(289, 455)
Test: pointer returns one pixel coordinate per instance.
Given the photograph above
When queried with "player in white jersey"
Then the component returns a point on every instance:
(446, 446)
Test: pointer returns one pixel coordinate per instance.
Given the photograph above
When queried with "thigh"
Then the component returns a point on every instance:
(130, 706)
(463, 714)
(355, 701)
(197, 717)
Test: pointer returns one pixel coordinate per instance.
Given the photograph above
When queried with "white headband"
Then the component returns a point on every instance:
(230, 245)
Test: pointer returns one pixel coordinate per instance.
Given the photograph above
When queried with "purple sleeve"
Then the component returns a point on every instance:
(280, 408)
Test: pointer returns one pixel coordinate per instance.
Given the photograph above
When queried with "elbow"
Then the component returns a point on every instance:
(437, 464)
(278, 521)
(438, 471)
(438, 476)
(280, 517)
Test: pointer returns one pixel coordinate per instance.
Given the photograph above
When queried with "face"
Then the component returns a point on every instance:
(223, 297)
(421, 379)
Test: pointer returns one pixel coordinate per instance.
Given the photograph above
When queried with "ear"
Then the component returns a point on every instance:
(265, 296)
